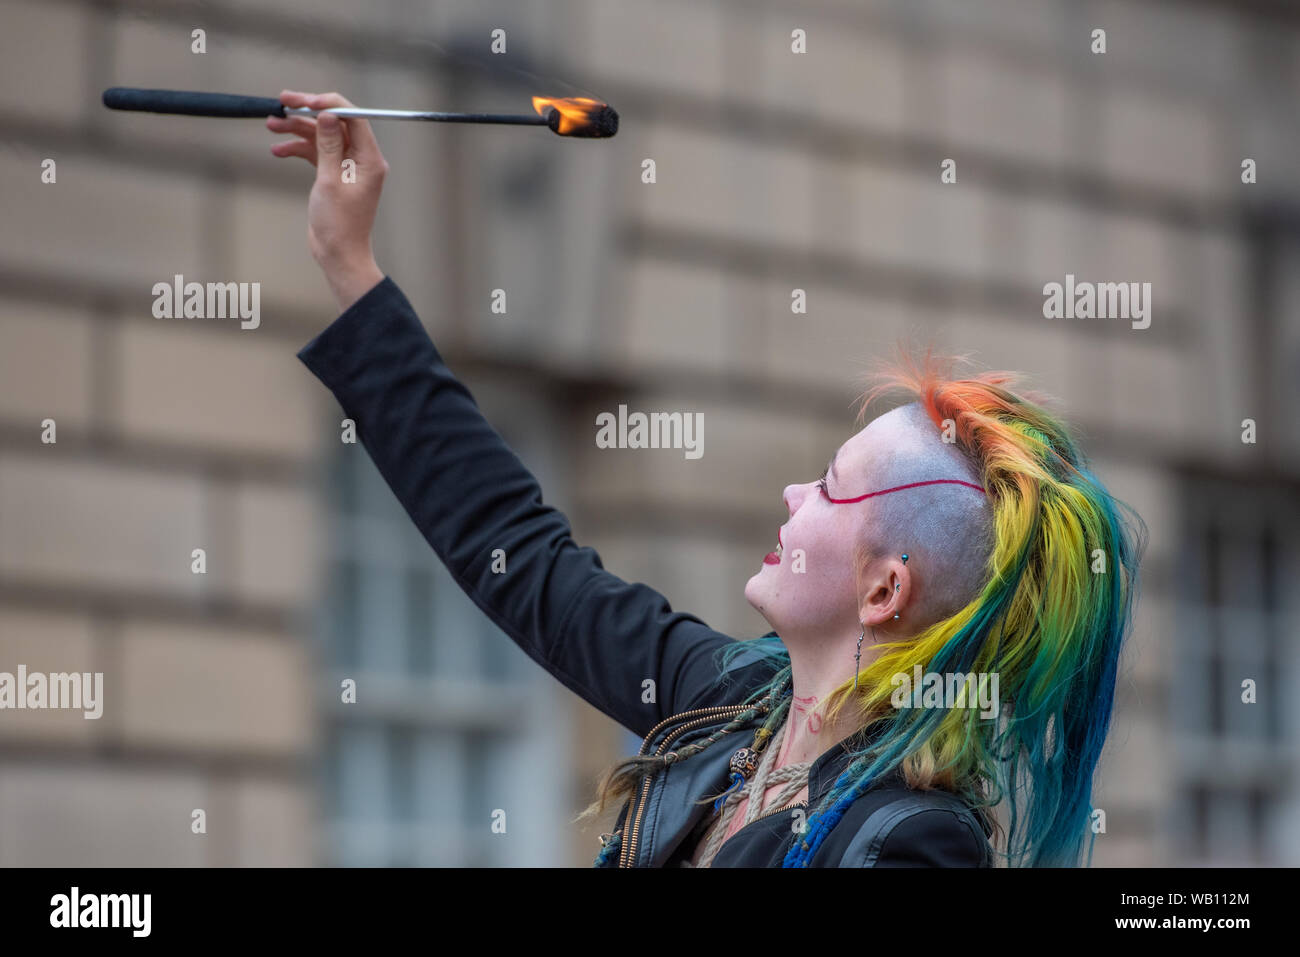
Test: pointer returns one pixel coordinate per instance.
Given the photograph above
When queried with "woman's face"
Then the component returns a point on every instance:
(811, 588)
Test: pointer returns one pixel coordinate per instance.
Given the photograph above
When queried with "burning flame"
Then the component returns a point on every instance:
(576, 113)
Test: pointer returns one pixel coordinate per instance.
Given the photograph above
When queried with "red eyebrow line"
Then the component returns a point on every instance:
(899, 488)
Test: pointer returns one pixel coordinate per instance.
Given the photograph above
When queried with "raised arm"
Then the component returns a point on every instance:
(464, 488)
(470, 495)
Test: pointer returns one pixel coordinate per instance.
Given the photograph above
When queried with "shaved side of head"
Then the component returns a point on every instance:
(945, 530)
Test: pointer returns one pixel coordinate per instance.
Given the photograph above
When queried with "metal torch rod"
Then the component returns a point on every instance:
(349, 111)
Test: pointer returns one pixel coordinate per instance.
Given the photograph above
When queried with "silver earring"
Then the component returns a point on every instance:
(857, 658)
(898, 585)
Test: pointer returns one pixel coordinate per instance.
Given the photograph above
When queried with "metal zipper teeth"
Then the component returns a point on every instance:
(628, 855)
(788, 807)
(634, 830)
(673, 717)
(630, 848)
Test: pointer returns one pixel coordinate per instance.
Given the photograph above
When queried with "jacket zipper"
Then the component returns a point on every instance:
(633, 825)
(788, 807)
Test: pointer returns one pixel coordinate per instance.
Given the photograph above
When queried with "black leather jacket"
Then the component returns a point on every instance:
(889, 826)
(599, 635)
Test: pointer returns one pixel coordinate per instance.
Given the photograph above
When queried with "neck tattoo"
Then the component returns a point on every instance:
(807, 706)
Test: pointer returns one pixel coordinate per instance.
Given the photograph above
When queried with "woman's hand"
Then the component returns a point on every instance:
(341, 210)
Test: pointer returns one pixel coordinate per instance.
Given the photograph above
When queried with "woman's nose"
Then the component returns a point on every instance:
(792, 496)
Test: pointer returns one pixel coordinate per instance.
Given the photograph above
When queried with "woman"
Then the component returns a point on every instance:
(948, 600)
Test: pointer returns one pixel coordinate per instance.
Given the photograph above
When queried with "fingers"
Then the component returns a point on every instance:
(324, 101)
(293, 99)
(304, 126)
(300, 148)
(325, 136)
(358, 131)
(293, 123)
(329, 144)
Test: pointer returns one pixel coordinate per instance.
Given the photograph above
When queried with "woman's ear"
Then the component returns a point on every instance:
(887, 592)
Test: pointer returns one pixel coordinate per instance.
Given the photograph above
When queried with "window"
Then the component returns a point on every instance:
(1234, 760)
(452, 721)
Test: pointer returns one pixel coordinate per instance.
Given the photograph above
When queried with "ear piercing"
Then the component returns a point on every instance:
(857, 659)
(898, 585)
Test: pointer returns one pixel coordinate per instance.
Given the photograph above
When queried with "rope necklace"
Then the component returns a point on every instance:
(759, 762)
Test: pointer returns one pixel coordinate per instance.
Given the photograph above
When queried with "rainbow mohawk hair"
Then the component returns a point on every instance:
(1049, 622)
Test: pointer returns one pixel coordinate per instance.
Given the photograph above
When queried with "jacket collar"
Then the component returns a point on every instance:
(832, 763)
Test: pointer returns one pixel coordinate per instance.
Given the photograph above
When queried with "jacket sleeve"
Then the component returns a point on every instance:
(932, 838)
(469, 494)
(918, 829)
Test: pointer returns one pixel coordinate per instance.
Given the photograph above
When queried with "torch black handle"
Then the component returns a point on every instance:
(191, 103)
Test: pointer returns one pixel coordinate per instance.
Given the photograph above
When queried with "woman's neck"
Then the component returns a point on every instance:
(810, 733)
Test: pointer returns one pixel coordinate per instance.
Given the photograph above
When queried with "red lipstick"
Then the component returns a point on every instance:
(773, 558)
